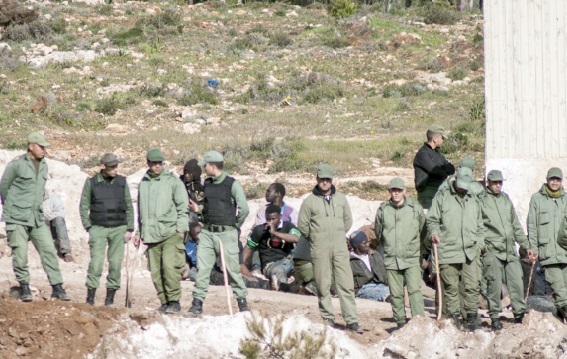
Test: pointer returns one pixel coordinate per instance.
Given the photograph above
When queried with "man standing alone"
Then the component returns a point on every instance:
(163, 220)
(224, 211)
(324, 219)
(107, 214)
(22, 189)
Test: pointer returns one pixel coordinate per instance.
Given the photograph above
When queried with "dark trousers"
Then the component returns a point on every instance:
(60, 235)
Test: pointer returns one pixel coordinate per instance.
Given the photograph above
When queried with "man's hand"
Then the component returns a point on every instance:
(136, 241)
(270, 228)
(435, 238)
(127, 236)
(193, 206)
(531, 256)
(244, 271)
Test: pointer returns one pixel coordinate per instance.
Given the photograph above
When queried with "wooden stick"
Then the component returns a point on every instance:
(225, 275)
(127, 302)
(530, 280)
(130, 279)
(438, 279)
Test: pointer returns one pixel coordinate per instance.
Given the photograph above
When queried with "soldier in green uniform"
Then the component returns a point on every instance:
(475, 188)
(223, 211)
(399, 227)
(107, 214)
(22, 189)
(324, 218)
(455, 223)
(500, 262)
(546, 216)
(163, 219)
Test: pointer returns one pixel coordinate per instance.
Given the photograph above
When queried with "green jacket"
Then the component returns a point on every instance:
(238, 199)
(545, 217)
(476, 188)
(22, 190)
(501, 226)
(457, 219)
(362, 275)
(399, 230)
(323, 221)
(162, 207)
(85, 206)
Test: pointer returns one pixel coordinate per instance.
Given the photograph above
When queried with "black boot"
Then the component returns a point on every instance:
(472, 322)
(496, 325)
(91, 293)
(196, 308)
(457, 321)
(25, 294)
(109, 297)
(242, 306)
(519, 319)
(59, 293)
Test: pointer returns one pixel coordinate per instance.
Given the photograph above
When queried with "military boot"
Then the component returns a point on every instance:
(59, 293)
(496, 325)
(472, 322)
(242, 305)
(91, 293)
(196, 308)
(109, 300)
(25, 294)
(519, 319)
(457, 321)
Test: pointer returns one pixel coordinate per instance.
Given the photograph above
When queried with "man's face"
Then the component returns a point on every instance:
(209, 169)
(194, 233)
(554, 183)
(495, 186)
(274, 219)
(324, 184)
(397, 194)
(459, 189)
(37, 151)
(110, 171)
(271, 194)
(438, 139)
(155, 167)
(188, 176)
(363, 248)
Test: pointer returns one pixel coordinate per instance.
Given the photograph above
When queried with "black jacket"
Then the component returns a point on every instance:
(363, 276)
(431, 167)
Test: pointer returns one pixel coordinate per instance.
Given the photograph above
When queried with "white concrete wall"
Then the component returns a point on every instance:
(526, 92)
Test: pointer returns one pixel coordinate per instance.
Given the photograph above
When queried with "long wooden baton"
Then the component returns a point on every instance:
(438, 279)
(530, 281)
(130, 279)
(225, 275)
(126, 302)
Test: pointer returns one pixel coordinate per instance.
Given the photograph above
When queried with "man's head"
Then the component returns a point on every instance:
(494, 181)
(554, 178)
(212, 163)
(36, 145)
(435, 136)
(325, 178)
(194, 231)
(275, 192)
(359, 242)
(273, 215)
(109, 165)
(155, 161)
(463, 180)
(191, 171)
(397, 190)
(467, 162)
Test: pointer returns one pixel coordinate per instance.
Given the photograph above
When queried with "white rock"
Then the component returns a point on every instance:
(291, 14)
(4, 47)
(116, 128)
(213, 120)
(191, 128)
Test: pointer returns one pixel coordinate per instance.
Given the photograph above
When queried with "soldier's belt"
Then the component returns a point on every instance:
(217, 229)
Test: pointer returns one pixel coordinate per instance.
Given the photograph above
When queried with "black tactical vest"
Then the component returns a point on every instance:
(217, 206)
(108, 208)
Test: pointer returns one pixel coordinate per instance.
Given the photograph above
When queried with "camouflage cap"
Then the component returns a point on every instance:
(211, 156)
(464, 178)
(37, 137)
(397, 183)
(494, 176)
(555, 172)
(154, 155)
(325, 171)
(438, 129)
(468, 162)
(109, 159)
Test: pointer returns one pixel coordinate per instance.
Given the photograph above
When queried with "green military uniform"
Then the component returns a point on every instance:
(457, 219)
(500, 262)
(163, 220)
(22, 189)
(213, 232)
(324, 222)
(399, 230)
(107, 231)
(546, 215)
(475, 189)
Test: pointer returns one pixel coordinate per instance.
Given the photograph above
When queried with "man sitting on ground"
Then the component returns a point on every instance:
(368, 269)
(275, 241)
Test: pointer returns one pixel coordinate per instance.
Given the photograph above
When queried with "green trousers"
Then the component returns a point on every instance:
(496, 272)
(18, 238)
(556, 276)
(331, 259)
(303, 271)
(166, 260)
(412, 278)
(207, 253)
(425, 196)
(469, 274)
(99, 239)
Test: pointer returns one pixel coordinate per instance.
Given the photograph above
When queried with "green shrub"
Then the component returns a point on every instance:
(30, 31)
(128, 37)
(59, 26)
(280, 39)
(322, 93)
(437, 13)
(335, 42)
(170, 17)
(342, 8)
(108, 105)
(408, 89)
(198, 94)
(458, 72)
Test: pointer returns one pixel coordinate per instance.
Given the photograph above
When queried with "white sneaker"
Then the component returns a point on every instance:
(275, 283)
